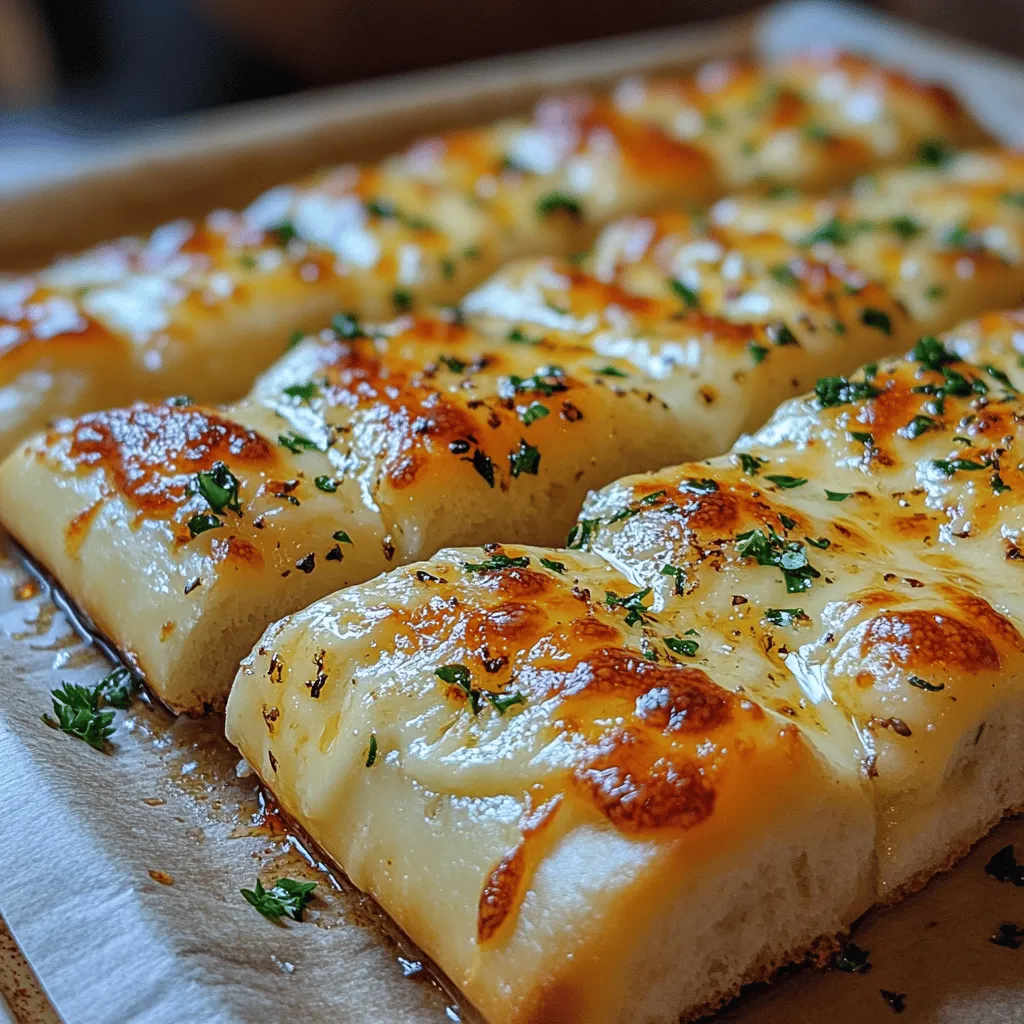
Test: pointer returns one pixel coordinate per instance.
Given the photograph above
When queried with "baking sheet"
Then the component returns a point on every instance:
(120, 872)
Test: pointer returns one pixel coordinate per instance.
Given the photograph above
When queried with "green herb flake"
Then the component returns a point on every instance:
(690, 297)
(219, 486)
(453, 364)
(533, 412)
(306, 392)
(923, 684)
(294, 338)
(325, 484)
(501, 702)
(341, 537)
(286, 898)
(688, 648)
(757, 352)
(920, 425)
(518, 337)
(79, 712)
(785, 616)
(497, 562)
(550, 563)
(906, 227)
(877, 319)
(947, 467)
(612, 371)
(768, 548)
(751, 463)
(559, 202)
(837, 495)
(401, 299)
(934, 153)
(201, 523)
(296, 443)
(632, 604)
(525, 460)
(371, 754)
(786, 482)
(582, 534)
(283, 233)
(835, 391)
(483, 465)
(347, 326)
(782, 273)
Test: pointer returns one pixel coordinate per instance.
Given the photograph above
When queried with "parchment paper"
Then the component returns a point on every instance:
(120, 872)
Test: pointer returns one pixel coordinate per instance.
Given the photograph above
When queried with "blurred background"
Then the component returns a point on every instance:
(73, 71)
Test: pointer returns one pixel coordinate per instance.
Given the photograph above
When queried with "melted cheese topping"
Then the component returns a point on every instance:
(204, 306)
(831, 609)
(676, 336)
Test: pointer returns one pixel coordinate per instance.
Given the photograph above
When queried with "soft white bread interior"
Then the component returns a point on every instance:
(370, 446)
(202, 307)
(843, 582)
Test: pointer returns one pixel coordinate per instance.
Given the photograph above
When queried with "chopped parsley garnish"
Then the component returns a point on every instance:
(347, 326)
(1013, 199)
(784, 616)
(401, 299)
(560, 202)
(483, 465)
(751, 463)
(832, 230)
(677, 645)
(822, 542)
(306, 392)
(996, 374)
(920, 425)
(294, 338)
(219, 487)
(906, 227)
(447, 265)
(923, 684)
(388, 210)
(371, 754)
(679, 574)
(501, 702)
(934, 292)
(934, 153)
(582, 533)
(690, 297)
(999, 486)
(863, 436)
(787, 482)
(852, 959)
(459, 675)
(782, 273)
(518, 337)
(833, 391)
(525, 460)
(550, 563)
(768, 548)
(814, 132)
(341, 537)
(837, 495)
(546, 380)
(534, 411)
(81, 711)
(877, 319)
(632, 604)
(201, 523)
(497, 562)
(780, 334)
(296, 443)
(284, 232)
(612, 371)
(696, 485)
(757, 352)
(286, 898)
(947, 467)
(1003, 866)
(959, 236)
(326, 484)
(453, 364)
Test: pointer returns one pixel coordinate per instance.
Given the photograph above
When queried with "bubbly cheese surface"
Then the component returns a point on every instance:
(825, 622)
(202, 307)
(369, 446)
